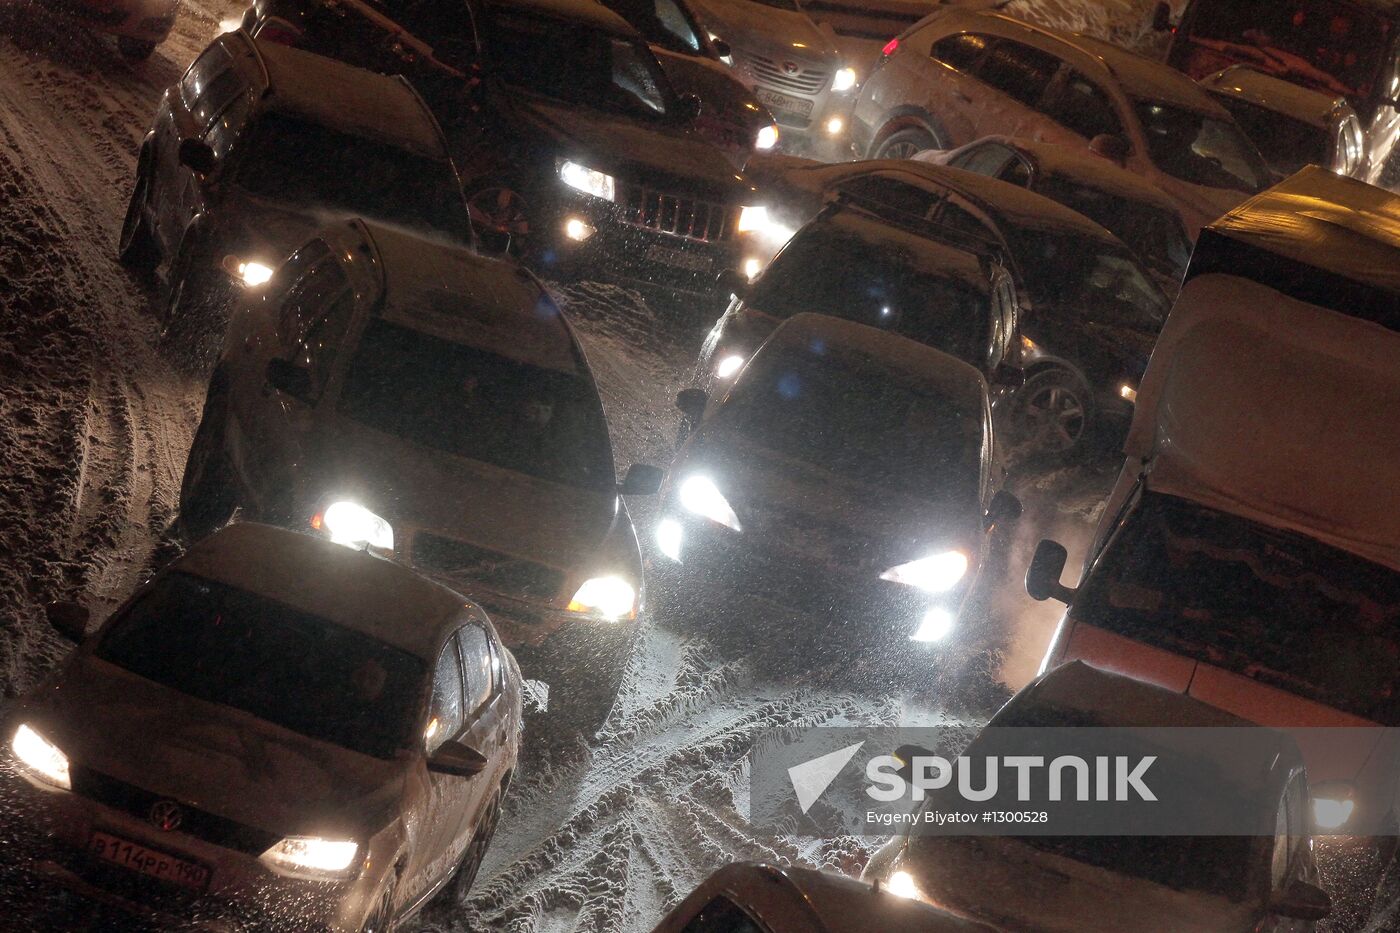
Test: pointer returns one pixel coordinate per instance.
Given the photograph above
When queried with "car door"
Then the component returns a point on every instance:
(1080, 109)
(948, 87)
(1017, 77)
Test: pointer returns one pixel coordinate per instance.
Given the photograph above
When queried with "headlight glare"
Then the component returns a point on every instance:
(729, 366)
(767, 137)
(699, 494)
(901, 884)
(611, 597)
(937, 573)
(40, 758)
(245, 272)
(670, 536)
(753, 218)
(844, 79)
(582, 178)
(355, 526)
(1332, 812)
(312, 856)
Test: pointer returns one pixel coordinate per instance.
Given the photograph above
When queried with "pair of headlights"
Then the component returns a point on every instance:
(604, 186)
(311, 857)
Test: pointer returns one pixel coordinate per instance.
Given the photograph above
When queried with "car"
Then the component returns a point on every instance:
(578, 155)
(255, 147)
(1121, 202)
(434, 406)
(1249, 554)
(846, 475)
(731, 116)
(1292, 125)
(959, 75)
(1175, 884)
(1072, 321)
(139, 25)
(793, 66)
(271, 720)
(1339, 48)
(752, 897)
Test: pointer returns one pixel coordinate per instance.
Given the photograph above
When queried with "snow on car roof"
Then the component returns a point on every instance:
(1280, 411)
(1275, 94)
(335, 94)
(457, 295)
(350, 588)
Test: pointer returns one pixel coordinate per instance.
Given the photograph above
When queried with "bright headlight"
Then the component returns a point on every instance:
(40, 758)
(355, 526)
(937, 573)
(767, 137)
(246, 272)
(752, 218)
(312, 857)
(611, 597)
(700, 495)
(844, 79)
(670, 536)
(728, 366)
(1332, 813)
(1128, 392)
(582, 178)
(901, 884)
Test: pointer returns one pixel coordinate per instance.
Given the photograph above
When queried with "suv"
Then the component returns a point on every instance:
(957, 76)
(257, 145)
(432, 406)
(578, 154)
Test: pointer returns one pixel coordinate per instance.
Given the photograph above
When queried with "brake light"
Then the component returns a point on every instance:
(890, 47)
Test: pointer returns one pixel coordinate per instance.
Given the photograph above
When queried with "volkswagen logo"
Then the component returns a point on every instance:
(791, 68)
(166, 815)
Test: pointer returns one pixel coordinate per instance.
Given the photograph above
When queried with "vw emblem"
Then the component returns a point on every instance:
(791, 68)
(166, 815)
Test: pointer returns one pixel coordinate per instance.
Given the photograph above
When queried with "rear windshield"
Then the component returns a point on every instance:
(1154, 233)
(1276, 607)
(1201, 149)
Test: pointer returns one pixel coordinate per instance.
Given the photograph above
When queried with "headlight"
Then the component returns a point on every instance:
(1332, 805)
(767, 137)
(312, 857)
(934, 626)
(611, 597)
(598, 184)
(355, 526)
(40, 758)
(670, 537)
(901, 884)
(728, 366)
(753, 217)
(937, 573)
(844, 79)
(246, 272)
(699, 495)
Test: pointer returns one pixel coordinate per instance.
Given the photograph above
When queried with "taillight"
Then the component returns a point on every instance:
(890, 47)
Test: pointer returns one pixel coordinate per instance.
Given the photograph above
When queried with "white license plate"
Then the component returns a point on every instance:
(148, 861)
(775, 101)
(681, 259)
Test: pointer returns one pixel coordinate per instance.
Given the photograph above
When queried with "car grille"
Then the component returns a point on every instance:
(772, 73)
(679, 216)
(467, 564)
(201, 824)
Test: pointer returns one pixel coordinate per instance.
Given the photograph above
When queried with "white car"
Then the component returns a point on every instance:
(275, 726)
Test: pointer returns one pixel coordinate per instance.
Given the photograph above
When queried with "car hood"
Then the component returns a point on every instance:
(223, 760)
(745, 24)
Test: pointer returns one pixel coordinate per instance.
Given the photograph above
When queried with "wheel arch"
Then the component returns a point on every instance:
(906, 117)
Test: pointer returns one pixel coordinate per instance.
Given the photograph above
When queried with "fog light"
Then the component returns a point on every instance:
(935, 626)
(752, 267)
(729, 366)
(669, 536)
(834, 126)
(577, 230)
(767, 137)
(1128, 392)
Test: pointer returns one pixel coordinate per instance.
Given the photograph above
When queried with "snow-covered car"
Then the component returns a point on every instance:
(1071, 325)
(1249, 554)
(1292, 125)
(257, 147)
(1339, 48)
(435, 407)
(1171, 884)
(793, 66)
(752, 897)
(273, 731)
(139, 25)
(846, 475)
(1120, 201)
(576, 152)
(731, 116)
(959, 75)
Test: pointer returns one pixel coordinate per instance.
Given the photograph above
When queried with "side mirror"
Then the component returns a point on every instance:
(641, 480)
(722, 48)
(691, 403)
(68, 619)
(687, 108)
(196, 156)
(457, 759)
(1111, 147)
(732, 282)
(1301, 901)
(1162, 18)
(286, 376)
(1043, 575)
(1004, 507)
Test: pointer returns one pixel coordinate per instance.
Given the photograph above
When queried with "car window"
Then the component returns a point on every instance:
(661, 22)
(214, 62)
(308, 298)
(477, 665)
(984, 160)
(210, 86)
(222, 132)
(1019, 71)
(961, 51)
(446, 716)
(722, 915)
(1085, 108)
(323, 340)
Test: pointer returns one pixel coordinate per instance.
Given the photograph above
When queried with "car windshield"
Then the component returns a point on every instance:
(299, 162)
(1287, 144)
(1272, 606)
(1154, 233)
(661, 22)
(472, 403)
(1099, 280)
(907, 286)
(571, 62)
(1328, 45)
(1201, 149)
(856, 422)
(229, 646)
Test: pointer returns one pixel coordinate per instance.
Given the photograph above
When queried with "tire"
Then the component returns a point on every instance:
(464, 876)
(903, 144)
(208, 497)
(500, 217)
(136, 50)
(1053, 413)
(136, 245)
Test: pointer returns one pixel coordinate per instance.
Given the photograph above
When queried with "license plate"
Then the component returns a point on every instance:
(148, 861)
(775, 101)
(691, 262)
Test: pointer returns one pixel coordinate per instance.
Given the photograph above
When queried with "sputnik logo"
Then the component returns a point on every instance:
(811, 778)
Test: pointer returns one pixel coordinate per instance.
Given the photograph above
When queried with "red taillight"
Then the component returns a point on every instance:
(890, 47)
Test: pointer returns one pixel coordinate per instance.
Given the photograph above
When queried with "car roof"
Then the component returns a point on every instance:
(350, 588)
(460, 296)
(936, 256)
(587, 12)
(334, 94)
(1275, 94)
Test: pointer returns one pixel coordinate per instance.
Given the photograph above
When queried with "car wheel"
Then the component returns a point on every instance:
(136, 247)
(135, 50)
(1053, 412)
(207, 494)
(457, 889)
(381, 919)
(904, 144)
(500, 215)
(195, 309)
